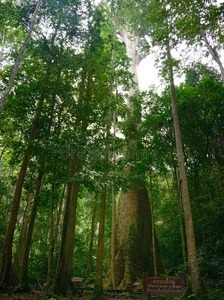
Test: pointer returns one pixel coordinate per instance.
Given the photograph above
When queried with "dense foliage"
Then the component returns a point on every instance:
(67, 64)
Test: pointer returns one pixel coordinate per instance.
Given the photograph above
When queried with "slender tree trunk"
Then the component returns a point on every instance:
(5, 184)
(213, 53)
(98, 291)
(52, 240)
(7, 274)
(168, 186)
(24, 268)
(153, 231)
(22, 237)
(1, 48)
(89, 264)
(62, 278)
(8, 193)
(59, 213)
(179, 200)
(113, 229)
(51, 250)
(195, 284)
(6, 144)
(202, 232)
(19, 59)
(99, 263)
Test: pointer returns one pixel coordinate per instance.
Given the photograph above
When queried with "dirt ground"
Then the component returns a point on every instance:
(36, 295)
(22, 296)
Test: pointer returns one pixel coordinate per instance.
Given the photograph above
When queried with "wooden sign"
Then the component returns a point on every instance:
(164, 286)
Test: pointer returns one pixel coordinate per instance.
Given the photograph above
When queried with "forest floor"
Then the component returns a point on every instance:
(37, 295)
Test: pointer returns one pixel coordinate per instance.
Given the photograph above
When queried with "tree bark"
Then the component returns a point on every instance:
(92, 231)
(195, 284)
(64, 265)
(9, 190)
(22, 236)
(62, 278)
(99, 262)
(7, 274)
(179, 200)
(98, 290)
(1, 48)
(134, 227)
(213, 53)
(40, 176)
(113, 229)
(52, 244)
(19, 59)
(153, 232)
(52, 240)
(5, 184)
(24, 269)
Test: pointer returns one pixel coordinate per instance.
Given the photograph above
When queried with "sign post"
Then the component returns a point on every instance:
(163, 285)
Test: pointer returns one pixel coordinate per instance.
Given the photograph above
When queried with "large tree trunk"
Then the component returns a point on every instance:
(195, 283)
(7, 274)
(19, 59)
(134, 254)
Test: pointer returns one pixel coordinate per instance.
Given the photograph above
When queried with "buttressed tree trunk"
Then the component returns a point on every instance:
(134, 253)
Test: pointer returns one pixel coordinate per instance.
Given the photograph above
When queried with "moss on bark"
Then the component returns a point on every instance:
(189, 293)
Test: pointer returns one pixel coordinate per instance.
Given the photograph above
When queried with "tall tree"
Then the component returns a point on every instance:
(19, 59)
(195, 283)
(134, 229)
(89, 264)
(40, 176)
(62, 278)
(199, 24)
(7, 275)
